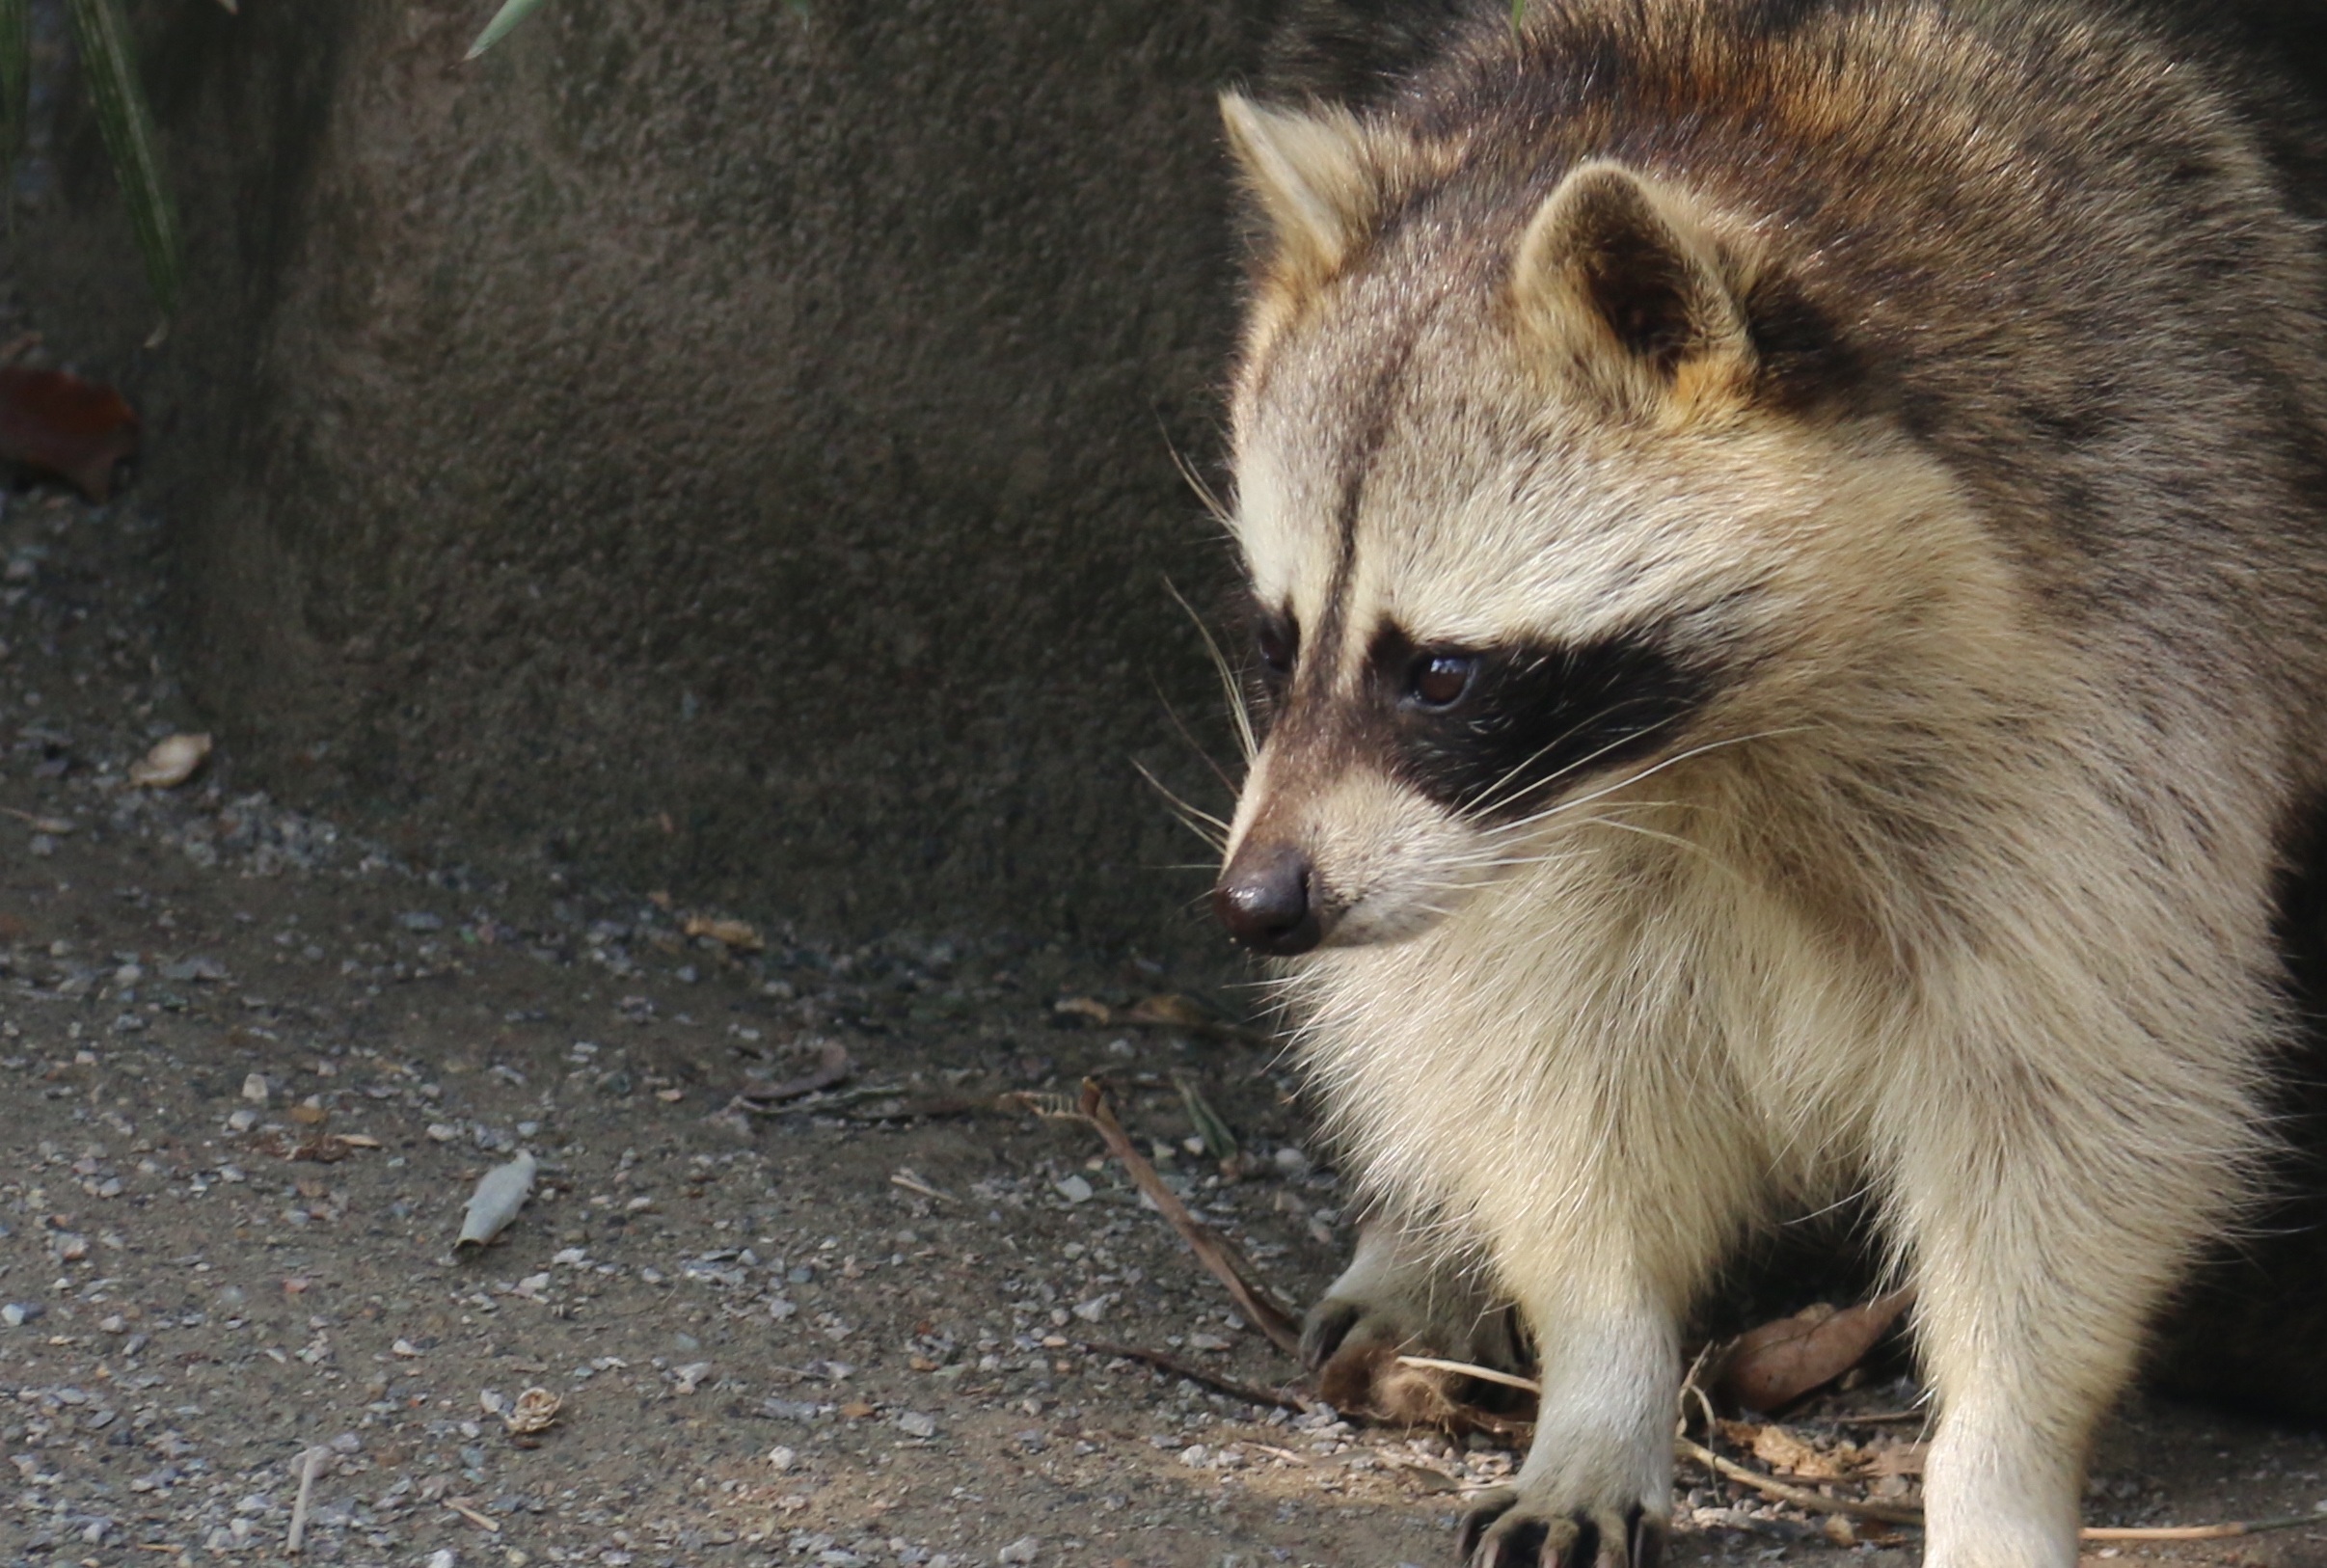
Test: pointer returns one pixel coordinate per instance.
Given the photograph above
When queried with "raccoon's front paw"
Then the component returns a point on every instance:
(1506, 1529)
(1354, 1345)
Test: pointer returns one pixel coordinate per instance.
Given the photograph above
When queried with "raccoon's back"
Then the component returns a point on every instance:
(1361, 52)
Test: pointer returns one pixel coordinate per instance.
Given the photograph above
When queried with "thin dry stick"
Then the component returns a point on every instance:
(484, 1522)
(1484, 1375)
(1906, 1514)
(1210, 1028)
(1213, 1250)
(1816, 1502)
(2196, 1532)
(311, 1465)
(1281, 1398)
(1889, 1513)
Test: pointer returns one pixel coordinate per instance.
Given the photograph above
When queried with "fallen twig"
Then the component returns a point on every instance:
(1769, 1486)
(311, 1465)
(1909, 1514)
(832, 1066)
(1210, 1028)
(1281, 1398)
(489, 1524)
(1887, 1513)
(1213, 1250)
(913, 1181)
(1484, 1375)
(2195, 1532)
(890, 1107)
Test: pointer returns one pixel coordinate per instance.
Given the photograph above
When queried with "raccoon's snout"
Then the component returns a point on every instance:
(1266, 900)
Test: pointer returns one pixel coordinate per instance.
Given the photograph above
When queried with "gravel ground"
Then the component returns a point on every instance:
(256, 1066)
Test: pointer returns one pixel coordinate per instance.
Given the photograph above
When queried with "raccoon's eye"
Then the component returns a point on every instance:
(1277, 642)
(1439, 680)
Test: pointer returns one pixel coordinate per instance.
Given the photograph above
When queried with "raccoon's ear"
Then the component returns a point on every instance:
(1310, 174)
(1614, 265)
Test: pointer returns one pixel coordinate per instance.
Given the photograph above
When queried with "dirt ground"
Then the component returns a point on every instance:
(853, 1332)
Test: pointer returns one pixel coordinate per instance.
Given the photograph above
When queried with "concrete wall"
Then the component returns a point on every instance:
(724, 446)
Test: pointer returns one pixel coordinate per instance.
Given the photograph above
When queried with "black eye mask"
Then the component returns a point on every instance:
(1529, 720)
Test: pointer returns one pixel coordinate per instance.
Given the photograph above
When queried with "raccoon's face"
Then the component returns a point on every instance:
(1523, 525)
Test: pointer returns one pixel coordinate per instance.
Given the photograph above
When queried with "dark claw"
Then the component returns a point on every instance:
(1493, 1539)
(1327, 1327)
(1522, 1547)
(1647, 1540)
(1493, 1506)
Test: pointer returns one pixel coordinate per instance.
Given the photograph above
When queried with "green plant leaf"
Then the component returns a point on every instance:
(511, 13)
(1219, 1142)
(16, 77)
(127, 121)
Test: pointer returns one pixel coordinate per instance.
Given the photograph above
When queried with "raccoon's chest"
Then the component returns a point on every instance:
(1519, 1039)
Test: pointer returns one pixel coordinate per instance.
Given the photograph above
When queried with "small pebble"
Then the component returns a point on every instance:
(255, 1089)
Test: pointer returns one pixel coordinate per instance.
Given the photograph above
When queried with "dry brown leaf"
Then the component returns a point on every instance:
(535, 1411)
(60, 424)
(170, 762)
(1771, 1366)
(832, 1066)
(1168, 1007)
(734, 933)
(1785, 1449)
(1897, 1459)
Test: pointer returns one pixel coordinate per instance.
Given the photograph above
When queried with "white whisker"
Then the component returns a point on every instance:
(1248, 740)
(1492, 800)
(1636, 777)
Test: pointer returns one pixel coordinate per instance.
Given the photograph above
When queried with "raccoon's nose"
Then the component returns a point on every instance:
(1264, 900)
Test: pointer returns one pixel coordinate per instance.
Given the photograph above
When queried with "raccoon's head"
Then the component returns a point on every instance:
(1544, 489)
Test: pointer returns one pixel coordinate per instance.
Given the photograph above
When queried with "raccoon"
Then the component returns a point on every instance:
(1787, 573)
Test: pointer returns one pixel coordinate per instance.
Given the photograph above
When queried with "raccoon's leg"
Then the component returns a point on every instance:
(1603, 1276)
(1400, 1297)
(1597, 1485)
(1596, 1490)
(2044, 1236)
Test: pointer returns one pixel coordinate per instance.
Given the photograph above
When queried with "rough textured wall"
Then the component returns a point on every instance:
(723, 446)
